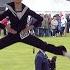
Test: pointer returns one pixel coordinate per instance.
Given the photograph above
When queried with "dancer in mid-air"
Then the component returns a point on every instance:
(18, 29)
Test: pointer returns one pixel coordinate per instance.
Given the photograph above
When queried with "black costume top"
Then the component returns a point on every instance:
(19, 24)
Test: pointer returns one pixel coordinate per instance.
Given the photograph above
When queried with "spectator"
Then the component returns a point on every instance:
(4, 23)
(52, 62)
(68, 22)
(54, 25)
(45, 25)
(63, 25)
(41, 61)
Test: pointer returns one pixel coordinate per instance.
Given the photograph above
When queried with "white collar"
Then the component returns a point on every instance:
(14, 13)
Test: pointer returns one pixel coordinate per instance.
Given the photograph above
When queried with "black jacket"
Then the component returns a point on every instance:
(19, 24)
(41, 62)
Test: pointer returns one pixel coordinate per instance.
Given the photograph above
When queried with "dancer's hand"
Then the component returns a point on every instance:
(24, 31)
(10, 30)
(29, 27)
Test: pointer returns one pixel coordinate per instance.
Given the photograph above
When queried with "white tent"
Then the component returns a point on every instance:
(48, 5)
(44, 5)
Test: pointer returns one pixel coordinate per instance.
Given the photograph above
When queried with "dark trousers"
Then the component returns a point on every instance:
(54, 32)
(62, 31)
(68, 26)
(31, 40)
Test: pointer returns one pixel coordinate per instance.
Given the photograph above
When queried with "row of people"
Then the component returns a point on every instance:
(54, 27)
(51, 27)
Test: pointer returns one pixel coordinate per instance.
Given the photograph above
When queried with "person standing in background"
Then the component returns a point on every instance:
(3, 23)
(41, 61)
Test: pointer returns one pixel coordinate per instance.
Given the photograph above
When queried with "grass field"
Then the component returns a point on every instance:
(20, 57)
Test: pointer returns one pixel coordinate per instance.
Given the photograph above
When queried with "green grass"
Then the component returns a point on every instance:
(19, 56)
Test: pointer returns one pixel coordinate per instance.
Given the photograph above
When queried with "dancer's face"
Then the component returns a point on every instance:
(17, 1)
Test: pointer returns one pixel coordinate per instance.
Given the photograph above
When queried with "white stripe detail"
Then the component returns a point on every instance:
(24, 10)
(10, 8)
(14, 13)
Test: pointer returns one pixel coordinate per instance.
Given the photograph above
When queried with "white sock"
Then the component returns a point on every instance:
(67, 54)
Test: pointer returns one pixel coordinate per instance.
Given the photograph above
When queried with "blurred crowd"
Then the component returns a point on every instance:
(56, 25)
